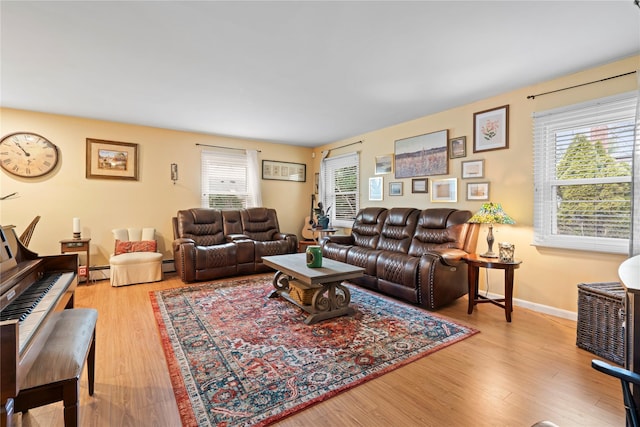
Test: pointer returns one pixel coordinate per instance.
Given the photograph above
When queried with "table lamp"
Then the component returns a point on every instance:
(491, 213)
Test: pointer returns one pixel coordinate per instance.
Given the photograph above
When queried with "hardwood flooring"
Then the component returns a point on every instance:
(507, 375)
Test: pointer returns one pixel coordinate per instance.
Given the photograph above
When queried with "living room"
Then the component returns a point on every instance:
(545, 283)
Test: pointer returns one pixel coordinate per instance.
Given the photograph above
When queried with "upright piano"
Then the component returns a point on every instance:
(32, 288)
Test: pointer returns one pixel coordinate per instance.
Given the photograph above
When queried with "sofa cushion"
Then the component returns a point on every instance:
(367, 227)
(260, 224)
(398, 229)
(204, 226)
(135, 246)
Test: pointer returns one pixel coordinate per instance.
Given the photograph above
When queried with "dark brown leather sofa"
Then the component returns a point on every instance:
(414, 255)
(213, 243)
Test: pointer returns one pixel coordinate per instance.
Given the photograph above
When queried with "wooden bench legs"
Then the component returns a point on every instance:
(55, 375)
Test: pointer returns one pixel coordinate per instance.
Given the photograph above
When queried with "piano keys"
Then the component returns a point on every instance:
(32, 289)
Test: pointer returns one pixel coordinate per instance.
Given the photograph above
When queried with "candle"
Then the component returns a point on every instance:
(76, 225)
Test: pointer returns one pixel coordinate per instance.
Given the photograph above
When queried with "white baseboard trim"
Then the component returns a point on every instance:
(540, 308)
(103, 272)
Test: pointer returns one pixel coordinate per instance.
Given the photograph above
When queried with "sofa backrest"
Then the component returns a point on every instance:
(398, 229)
(441, 228)
(260, 224)
(231, 222)
(367, 227)
(203, 225)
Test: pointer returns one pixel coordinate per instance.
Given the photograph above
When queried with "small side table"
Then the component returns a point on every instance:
(321, 232)
(475, 262)
(77, 245)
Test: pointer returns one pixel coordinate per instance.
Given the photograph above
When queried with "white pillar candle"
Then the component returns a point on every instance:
(76, 225)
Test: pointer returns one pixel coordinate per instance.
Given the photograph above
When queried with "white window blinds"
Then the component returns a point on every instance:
(341, 188)
(224, 180)
(582, 174)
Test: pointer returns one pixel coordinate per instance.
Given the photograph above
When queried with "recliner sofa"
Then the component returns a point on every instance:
(411, 254)
(214, 243)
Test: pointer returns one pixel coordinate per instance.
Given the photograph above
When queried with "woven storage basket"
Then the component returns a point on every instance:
(302, 293)
(601, 320)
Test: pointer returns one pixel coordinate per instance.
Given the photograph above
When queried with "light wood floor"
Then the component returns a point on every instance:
(507, 375)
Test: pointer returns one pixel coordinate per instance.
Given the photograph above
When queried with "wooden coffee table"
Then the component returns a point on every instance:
(330, 299)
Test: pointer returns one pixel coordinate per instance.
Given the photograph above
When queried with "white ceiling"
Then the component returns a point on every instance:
(294, 72)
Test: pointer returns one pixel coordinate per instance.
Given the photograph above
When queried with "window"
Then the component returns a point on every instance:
(340, 190)
(226, 180)
(582, 165)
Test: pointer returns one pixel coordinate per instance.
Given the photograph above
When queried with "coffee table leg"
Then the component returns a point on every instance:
(332, 300)
(280, 282)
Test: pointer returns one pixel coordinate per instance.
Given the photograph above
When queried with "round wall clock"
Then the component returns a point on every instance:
(27, 154)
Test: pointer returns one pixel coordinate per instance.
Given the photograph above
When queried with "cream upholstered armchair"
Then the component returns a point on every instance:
(135, 258)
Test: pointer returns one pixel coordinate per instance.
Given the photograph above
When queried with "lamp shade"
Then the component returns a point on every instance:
(491, 213)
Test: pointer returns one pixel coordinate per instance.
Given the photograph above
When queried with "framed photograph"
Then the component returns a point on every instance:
(478, 191)
(458, 147)
(419, 185)
(375, 188)
(316, 183)
(444, 190)
(284, 171)
(395, 188)
(112, 160)
(422, 155)
(384, 164)
(473, 169)
(491, 129)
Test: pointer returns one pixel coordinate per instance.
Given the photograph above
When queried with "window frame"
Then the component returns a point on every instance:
(223, 161)
(327, 193)
(618, 108)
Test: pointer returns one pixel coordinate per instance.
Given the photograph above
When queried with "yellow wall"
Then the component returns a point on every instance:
(548, 277)
(152, 201)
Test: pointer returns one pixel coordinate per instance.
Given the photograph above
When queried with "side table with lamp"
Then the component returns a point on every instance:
(492, 213)
(78, 244)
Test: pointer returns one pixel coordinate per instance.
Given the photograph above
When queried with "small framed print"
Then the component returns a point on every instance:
(111, 160)
(444, 190)
(384, 164)
(478, 191)
(458, 147)
(375, 188)
(419, 185)
(395, 188)
(473, 169)
(491, 129)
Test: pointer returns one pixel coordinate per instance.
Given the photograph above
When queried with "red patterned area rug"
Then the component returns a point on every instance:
(238, 358)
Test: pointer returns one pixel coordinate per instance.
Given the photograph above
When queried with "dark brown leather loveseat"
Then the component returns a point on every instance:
(414, 255)
(213, 243)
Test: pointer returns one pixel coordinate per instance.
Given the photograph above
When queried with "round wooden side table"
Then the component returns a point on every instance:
(475, 262)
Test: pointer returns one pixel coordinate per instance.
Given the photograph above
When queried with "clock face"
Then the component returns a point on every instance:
(27, 155)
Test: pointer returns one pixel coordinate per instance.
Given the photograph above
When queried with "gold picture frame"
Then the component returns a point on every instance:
(111, 160)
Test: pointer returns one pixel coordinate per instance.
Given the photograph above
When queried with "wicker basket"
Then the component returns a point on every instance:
(301, 292)
(601, 320)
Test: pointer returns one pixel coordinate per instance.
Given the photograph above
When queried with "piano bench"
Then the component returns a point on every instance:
(55, 374)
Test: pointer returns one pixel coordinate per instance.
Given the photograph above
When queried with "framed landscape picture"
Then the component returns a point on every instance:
(478, 191)
(384, 164)
(458, 147)
(419, 185)
(473, 169)
(395, 188)
(422, 155)
(112, 160)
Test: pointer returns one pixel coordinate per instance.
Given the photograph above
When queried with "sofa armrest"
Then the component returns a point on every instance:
(236, 237)
(184, 258)
(451, 257)
(341, 239)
